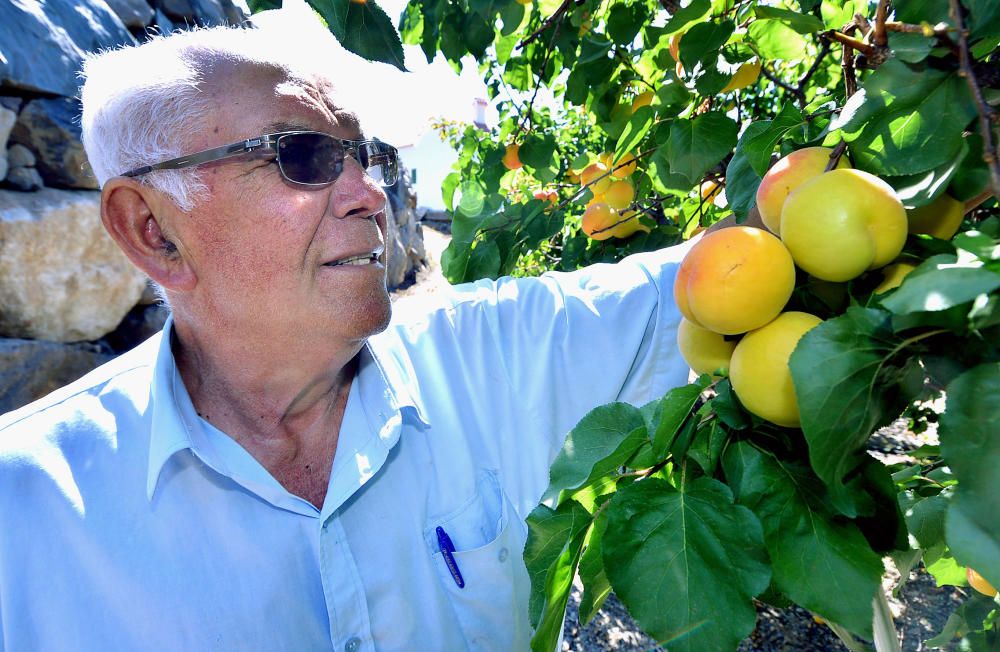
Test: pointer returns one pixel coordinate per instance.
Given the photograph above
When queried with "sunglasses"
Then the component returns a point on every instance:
(306, 158)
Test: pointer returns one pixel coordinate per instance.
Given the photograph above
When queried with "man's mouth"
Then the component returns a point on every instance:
(359, 259)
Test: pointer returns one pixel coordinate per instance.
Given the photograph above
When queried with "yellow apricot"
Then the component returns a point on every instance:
(893, 275)
(596, 171)
(759, 368)
(745, 75)
(940, 218)
(785, 176)
(705, 351)
(641, 100)
(511, 160)
(598, 220)
(619, 194)
(734, 280)
(625, 167)
(979, 583)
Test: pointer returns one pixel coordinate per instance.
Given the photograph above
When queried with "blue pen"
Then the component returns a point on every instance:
(447, 550)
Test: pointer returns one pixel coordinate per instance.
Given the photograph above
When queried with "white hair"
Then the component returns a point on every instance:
(140, 103)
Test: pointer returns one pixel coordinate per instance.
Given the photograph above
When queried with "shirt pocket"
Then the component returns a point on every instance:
(492, 608)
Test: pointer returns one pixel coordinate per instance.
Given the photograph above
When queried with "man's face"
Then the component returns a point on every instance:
(264, 249)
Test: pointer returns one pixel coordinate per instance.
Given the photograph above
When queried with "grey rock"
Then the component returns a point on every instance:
(62, 277)
(141, 323)
(24, 179)
(30, 369)
(4, 166)
(177, 10)
(164, 25)
(134, 14)
(404, 239)
(49, 127)
(8, 119)
(209, 12)
(237, 11)
(20, 156)
(42, 43)
(12, 103)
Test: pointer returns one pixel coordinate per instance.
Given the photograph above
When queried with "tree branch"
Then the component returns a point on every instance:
(836, 155)
(796, 92)
(879, 37)
(986, 115)
(548, 22)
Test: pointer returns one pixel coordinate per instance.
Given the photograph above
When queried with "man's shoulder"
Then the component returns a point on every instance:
(96, 403)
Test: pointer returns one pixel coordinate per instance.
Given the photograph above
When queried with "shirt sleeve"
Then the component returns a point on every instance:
(568, 342)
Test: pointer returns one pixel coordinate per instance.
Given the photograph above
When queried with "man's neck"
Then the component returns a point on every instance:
(284, 408)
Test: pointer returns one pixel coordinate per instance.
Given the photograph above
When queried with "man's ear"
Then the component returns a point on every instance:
(129, 211)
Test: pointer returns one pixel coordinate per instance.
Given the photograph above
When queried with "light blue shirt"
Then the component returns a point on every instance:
(129, 523)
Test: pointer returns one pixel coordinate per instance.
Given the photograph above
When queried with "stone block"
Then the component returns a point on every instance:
(62, 278)
(42, 43)
(7, 120)
(24, 179)
(51, 129)
(134, 14)
(20, 156)
(30, 369)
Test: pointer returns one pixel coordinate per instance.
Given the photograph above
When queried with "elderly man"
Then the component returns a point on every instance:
(283, 467)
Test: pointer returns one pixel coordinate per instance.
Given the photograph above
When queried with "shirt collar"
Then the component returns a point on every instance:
(174, 426)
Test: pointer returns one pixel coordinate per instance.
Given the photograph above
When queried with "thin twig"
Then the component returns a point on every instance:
(836, 154)
(926, 30)
(547, 23)
(579, 192)
(879, 37)
(985, 112)
(974, 203)
(538, 80)
(862, 47)
(824, 49)
(796, 92)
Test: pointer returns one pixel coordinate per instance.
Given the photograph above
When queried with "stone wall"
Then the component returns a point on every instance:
(69, 299)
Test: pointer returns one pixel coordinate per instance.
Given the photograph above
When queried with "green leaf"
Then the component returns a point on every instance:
(478, 35)
(550, 533)
(837, 13)
(776, 40)
(849, 380)
(703, 41)
(983, 18)
(706, 449)
(727, 407)
(973, 175)
(686, 563)
(906, 119)
(693, 12)
(596, 587)
(801, 23)
(484, 260)
(911, 48)
(540, 154)
(939, 287)
(625, 20)
(970, 445)
(363, 28)
(819, 561)
(674, 409)
(920, 189)
(917, 11)
(636, 129)
(741, 179)
(925, 517)
(696, 145)
(759, 146)
(603, 440)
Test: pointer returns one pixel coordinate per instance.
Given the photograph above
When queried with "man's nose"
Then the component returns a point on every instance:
(356, 193)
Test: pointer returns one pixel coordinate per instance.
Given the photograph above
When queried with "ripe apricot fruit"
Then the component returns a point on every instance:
(595, 171)
(843, 222)
(979, 583)
(641, 100)
(745, 75)
(785, 176)
(759, 368)
(601, 222)
(705, 351)
(511, 160)
(893, 275)
(624, 168)
(940, 218)
(734, 280)
(619, 194)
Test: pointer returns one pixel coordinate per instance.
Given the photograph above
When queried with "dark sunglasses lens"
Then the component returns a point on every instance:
(310, 158)
(381, 161)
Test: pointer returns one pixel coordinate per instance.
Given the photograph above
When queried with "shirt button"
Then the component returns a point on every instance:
(503, 555)
(353, 644)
